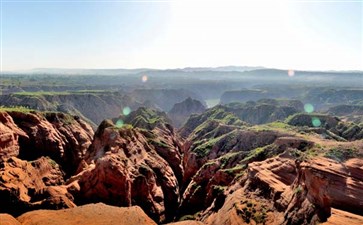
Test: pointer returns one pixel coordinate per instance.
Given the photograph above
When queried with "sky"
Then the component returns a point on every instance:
(286, 34)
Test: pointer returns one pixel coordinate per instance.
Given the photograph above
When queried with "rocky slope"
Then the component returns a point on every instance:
(9, 137)
(38, 152)
(62, 137)
(230, 177)
(220, 170)
(87, 215)
(32, 185)
(134, 165)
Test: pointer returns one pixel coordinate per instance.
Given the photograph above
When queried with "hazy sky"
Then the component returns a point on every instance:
(294, 34)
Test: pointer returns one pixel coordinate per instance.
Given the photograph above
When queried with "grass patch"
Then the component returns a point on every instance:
(40, 93)
(235, 170)
(202, 150)
(16, 109)
(251, 210)
(341, 155)
(187, 217)
(159, 144)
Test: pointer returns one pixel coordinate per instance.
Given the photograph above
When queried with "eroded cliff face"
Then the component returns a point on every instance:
(38, 152)
(133, 166)
(32, 185)
(9, 137)
(281, 190)
(323, 184)
(62, 137)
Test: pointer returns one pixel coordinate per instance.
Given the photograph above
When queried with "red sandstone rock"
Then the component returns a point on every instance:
(126, 168)
(324, 183)
(273, 176)
(62, 137)
(187, 222)
(27, 185)
(92, 214)
(9, 135)
(339, 217)
(6, 219)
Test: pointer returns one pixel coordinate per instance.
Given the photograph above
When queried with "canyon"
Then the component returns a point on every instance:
(215, 169)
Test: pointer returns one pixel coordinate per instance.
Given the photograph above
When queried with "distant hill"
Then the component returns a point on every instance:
(223, 68)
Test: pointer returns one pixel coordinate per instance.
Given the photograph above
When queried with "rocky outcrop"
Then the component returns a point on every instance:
(49, 147)
(62, 137)
(133, 166)
(272, 176)
(32, 185)
(92, 214)
(253, 197)
(7, 219)
(339, 217)
(9, 136)
(322, 184)
(181, 111)
(281, 190)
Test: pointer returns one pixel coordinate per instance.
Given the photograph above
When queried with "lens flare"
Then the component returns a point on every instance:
(119, 123)
(309, 108)
(144, 78)
(126, 111)
(290, 73)
(316, 122)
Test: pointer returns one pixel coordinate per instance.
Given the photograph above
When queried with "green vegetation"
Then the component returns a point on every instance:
(235, 170)
(16, 109)
(146, 118)
(160, 144)
(202, 150)
(213, 116)
(274, 126)
(304, 156)
(224, 159)
(260, 153)
(279, 124)
(341, 154)
(217, 189)
(53, 93)
(251, 210)
(187, 217)
(298, 189)
(52, 162)
(40, 93)
(60, 117)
